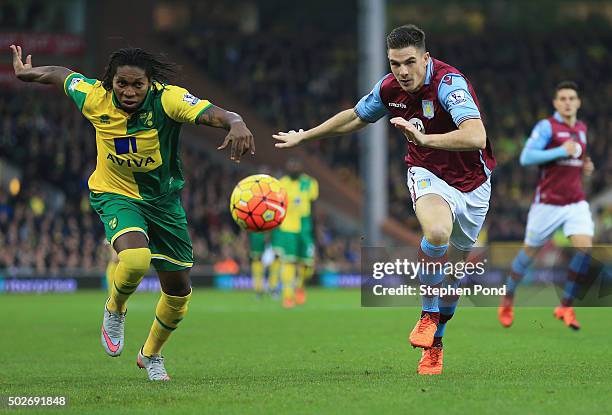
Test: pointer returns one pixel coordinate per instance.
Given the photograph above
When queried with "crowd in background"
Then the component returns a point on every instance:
(46, 222)
(296, 76)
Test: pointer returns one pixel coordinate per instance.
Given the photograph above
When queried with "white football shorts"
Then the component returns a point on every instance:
(543, 220)
(469, 209)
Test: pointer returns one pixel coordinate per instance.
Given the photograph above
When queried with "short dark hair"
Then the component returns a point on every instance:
(405, 36)
(155, 69)
(567, 85)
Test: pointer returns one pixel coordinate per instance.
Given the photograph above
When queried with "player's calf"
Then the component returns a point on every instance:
(169, 312)
(132, 266)
(520, 266)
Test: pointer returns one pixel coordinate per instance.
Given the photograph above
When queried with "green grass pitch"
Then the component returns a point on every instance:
(233, 354)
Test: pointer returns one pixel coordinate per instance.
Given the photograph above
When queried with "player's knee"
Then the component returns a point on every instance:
(437, 234)
(178, 291)
(135, 261)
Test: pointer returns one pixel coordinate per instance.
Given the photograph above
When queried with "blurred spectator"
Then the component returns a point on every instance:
(295, 81)
(48, 225)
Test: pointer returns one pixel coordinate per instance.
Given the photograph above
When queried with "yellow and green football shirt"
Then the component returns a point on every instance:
(309, 187)
(138, 153)
(301, 192)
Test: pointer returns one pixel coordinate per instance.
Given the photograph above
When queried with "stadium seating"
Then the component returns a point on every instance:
(49, 226)
(296, 81)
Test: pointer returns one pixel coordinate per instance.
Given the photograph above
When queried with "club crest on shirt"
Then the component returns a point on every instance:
(428, 108)
(147, 119)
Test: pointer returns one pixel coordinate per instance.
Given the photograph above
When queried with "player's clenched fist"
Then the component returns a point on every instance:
(573, 148)
(410, 131)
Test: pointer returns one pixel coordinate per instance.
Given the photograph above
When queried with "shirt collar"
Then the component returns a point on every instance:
(429, 71)
(144, 104)
(558, 117)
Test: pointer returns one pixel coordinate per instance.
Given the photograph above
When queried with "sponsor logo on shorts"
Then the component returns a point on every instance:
(113, 223)
(423, 183)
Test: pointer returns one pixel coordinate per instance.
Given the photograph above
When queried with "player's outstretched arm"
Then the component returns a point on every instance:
(536, 152)
(471, 135)
(345, 122)
(532, 155)
(55, 75)
(239, 136)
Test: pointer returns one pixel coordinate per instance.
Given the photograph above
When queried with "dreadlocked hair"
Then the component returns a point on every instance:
(155, 69)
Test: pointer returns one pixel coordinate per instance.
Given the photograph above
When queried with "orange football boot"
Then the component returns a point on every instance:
(505, 312)
(568, 315)
(300, 296)
(422, 334)
(431, 361)
(288, 302)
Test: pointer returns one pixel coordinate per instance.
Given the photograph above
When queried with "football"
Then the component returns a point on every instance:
(258, 203)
